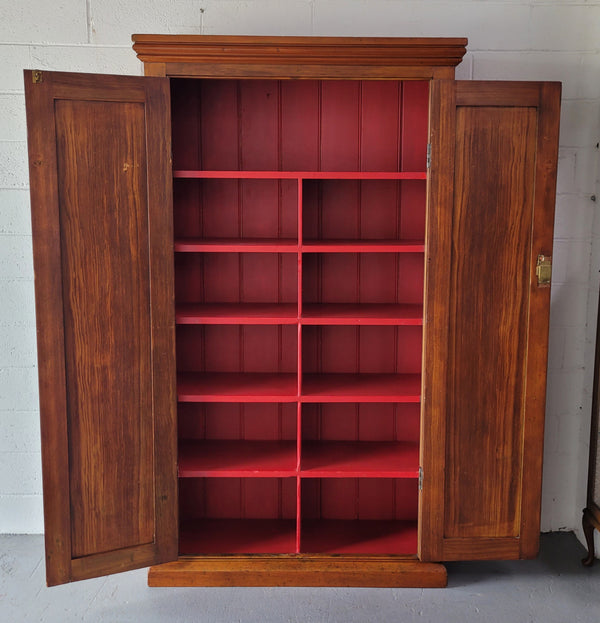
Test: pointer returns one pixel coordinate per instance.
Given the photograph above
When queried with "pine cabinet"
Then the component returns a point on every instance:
(292, 301)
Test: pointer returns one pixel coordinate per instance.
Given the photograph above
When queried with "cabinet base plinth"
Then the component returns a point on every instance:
(299, 570)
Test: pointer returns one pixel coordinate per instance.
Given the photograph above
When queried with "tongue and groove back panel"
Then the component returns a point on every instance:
(302, 125)
(299, 309)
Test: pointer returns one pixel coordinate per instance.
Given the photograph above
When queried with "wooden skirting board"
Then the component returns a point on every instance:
(299, 570)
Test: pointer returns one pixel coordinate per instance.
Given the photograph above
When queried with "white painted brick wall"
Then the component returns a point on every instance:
(90, 58)
(64, 21)
(249, 17)
(577, 71)
(114, 21)
(13, 58)
(508, 39)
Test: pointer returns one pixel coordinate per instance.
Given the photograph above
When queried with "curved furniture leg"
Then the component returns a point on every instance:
(588, 530)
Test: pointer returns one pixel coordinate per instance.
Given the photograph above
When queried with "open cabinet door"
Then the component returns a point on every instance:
(99, 157)
(491, 194)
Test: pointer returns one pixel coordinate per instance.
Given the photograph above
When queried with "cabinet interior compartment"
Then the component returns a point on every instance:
(219, 211)
(299, 224)
(237, 515)
(371, 211)
(235, 278)
(230, 287)
(359, 515)
(346, 440)
(365, 422)
(299, 125)
(368, 363)
(363, 288)
(236, 362)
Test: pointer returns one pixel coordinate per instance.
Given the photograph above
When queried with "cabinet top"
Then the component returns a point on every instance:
(378, 53)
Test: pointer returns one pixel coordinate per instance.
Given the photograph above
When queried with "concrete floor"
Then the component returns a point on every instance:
(555, 588)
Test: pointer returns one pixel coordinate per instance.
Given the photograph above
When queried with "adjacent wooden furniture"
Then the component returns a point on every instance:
(591, 513)
(292, 305)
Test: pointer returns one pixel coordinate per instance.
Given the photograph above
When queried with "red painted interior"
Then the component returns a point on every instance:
(299, 235)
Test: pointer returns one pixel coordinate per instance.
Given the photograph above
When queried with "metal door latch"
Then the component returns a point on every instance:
(543, 270)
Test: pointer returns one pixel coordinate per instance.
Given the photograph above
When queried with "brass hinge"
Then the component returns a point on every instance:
(543, 270)
(420, 479)
(36, 76)
(428, 155)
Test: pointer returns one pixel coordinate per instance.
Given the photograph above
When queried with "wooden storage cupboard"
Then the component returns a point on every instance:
(292, 302)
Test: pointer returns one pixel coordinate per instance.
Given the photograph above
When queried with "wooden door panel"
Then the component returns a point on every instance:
(486, 332)
(107, 337)
(488, 320)
(104, 300)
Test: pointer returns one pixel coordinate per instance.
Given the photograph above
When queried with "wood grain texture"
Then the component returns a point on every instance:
(155, 69)
(105, 321)
(296, 72)
(162, 305)
(107, 334)
(539, 315)
(45, 223)
(115, 561)
(492, 93)
(501, 206)
(204, 56)
(493, 192)
(303, 570)
(354, 52)
(438, 250)
(482, 548)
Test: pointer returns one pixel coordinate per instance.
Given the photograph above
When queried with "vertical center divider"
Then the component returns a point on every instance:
(299, 385)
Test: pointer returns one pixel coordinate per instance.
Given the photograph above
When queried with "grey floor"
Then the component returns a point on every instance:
(555, 588)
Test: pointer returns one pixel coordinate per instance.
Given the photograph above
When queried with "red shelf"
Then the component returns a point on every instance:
(264, 536)
(361, 388)
(333, 536)
(236, 387)
(363, 246)
(238, 536)
(359, 459)
(237, 459)
(236, 245)
(287, 313)
(365, 314)
(271, 459)
(306, 175)
(237, 313)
